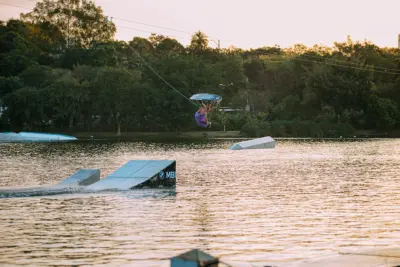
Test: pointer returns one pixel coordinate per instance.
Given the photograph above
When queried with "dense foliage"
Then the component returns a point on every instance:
(61, 69)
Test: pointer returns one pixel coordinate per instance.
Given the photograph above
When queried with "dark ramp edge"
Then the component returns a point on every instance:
(139, 174)
(82, 177)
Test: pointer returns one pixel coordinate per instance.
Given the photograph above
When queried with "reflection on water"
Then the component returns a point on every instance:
(300, 200)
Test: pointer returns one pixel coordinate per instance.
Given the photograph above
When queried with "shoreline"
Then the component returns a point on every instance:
(216, 135)
(209, 135)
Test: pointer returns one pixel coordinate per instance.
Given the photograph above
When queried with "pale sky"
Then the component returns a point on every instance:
(250, 23)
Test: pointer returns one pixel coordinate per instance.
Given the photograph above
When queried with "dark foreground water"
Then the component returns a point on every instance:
(300, 200)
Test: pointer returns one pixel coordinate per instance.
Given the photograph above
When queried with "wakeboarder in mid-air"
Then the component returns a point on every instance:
(206, 102)
(201, 115)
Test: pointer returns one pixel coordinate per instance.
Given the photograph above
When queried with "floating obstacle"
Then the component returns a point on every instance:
(139, 174)
(194, 258)
(134, 174)
(259, 143)
(74, 183)
(10, 137)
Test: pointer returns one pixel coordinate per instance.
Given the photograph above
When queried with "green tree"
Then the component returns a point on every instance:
(13, 63)
(382, 113)
(155, 39)
(37, 76)
(9, 84)
(170, 45)
(118, 96)
(80, 21)
(86, 77)
(341, 88)
(67, 97)
(25, 108)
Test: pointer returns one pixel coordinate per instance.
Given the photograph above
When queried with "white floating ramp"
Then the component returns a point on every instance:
(10, 137)
(139, 174)
(259, 143)
(73, 184)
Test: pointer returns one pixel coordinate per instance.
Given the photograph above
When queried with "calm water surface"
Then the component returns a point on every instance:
(302, 199)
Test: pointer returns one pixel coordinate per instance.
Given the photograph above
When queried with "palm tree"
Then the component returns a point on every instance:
(199, 41)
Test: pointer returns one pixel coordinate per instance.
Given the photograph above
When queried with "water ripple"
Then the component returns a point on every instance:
(301, 200)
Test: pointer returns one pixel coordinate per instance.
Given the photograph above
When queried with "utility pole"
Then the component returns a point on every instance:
(398, 43)
(217, 43)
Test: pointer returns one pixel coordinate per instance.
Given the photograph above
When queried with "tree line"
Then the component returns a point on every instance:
(61, 69)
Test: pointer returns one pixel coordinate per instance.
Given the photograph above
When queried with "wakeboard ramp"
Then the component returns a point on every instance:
(135, 174)
(259, 143)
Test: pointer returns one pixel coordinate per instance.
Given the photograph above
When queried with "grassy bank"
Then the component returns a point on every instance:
(209, 135)
(158, 135)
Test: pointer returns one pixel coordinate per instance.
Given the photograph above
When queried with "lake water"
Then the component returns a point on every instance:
(300, 200)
